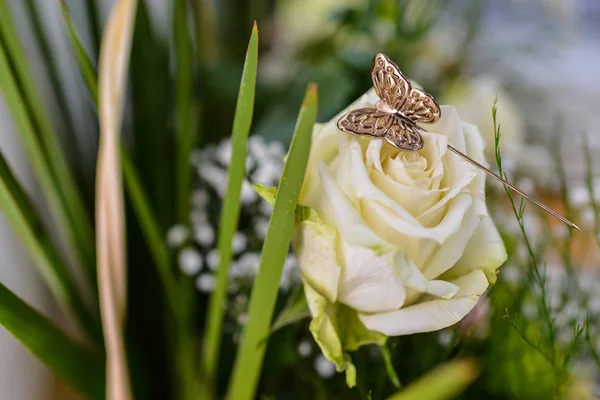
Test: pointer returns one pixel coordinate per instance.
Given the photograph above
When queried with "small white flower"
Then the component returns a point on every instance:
(247, 265)
(248, 193)
(206, 282)
(242, 318)
(212, 259)
(267, 173)
(224, 151)
(276, 149)
(240, 241)
(215, 176)
(198, 217)
(204, 235)
(177, 235)
(588, 217)
(579, 196)
(250, 163)
(304, 348)
(190, 261)
(261, 226)
(199, 198)
(257, 147)
(324, 367)
(265, 208)
(445, 336)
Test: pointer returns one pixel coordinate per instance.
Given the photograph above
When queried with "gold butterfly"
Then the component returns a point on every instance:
(396, 115)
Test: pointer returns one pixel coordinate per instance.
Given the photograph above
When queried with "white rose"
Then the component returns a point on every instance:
(474, 101)
(392, 242)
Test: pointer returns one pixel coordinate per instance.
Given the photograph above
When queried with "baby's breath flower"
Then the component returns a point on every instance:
(304, 348)
(200, 259)
(206, 282)
(190, 261)
(324, 367)
(177, 235)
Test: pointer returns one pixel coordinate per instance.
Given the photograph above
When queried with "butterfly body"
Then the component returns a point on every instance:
(396, 115)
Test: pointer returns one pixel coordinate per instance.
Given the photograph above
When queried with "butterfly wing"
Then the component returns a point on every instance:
(420, 107)
(366, 121)
(389, 83)
(403, 134)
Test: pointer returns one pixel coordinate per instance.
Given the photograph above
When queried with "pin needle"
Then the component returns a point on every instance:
(528, 197)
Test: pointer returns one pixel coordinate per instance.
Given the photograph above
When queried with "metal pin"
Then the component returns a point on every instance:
(528, 197)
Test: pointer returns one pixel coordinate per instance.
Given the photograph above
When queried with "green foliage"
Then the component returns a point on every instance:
(264, 292)
(453, 378)
(79, 367)
(231, 205)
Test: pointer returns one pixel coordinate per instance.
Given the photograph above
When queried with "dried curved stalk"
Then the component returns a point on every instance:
(110, 218)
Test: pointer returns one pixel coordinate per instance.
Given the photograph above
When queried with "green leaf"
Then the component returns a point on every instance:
(296, 309)
(231, 204)
(70, 141)
(443, 383)
(150, 228)
(26, 222)
(267, 193)
(86, 67)
(183, 107)
(78, 367)
(41, 143)
(276, 246)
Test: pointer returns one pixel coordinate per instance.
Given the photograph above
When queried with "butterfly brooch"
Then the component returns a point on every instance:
(396, 115)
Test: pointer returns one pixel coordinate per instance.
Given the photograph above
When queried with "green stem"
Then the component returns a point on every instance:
(389, 366)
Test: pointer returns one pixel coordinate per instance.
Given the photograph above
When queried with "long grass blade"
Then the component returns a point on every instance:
(141, 205)
(20, 212)
(443, 383)
(183, 107)
(41, 143)
(151, 229)
(78, 367)
(207, 40)
(230, 212)
(187, 388)
(250, 356)
(94, 22)
(110, 212)
(37, 158)
(86, 67)
(33, 13)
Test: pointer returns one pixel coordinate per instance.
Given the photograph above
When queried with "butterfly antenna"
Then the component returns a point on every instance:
(507, 184)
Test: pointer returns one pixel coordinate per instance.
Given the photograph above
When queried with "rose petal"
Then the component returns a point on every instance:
(446, 255)
(430, 315)
(413, 278)
(410, 198)
(369, 282)
(354, 229)
(315, 248)
(324, 148)
(485, 250)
